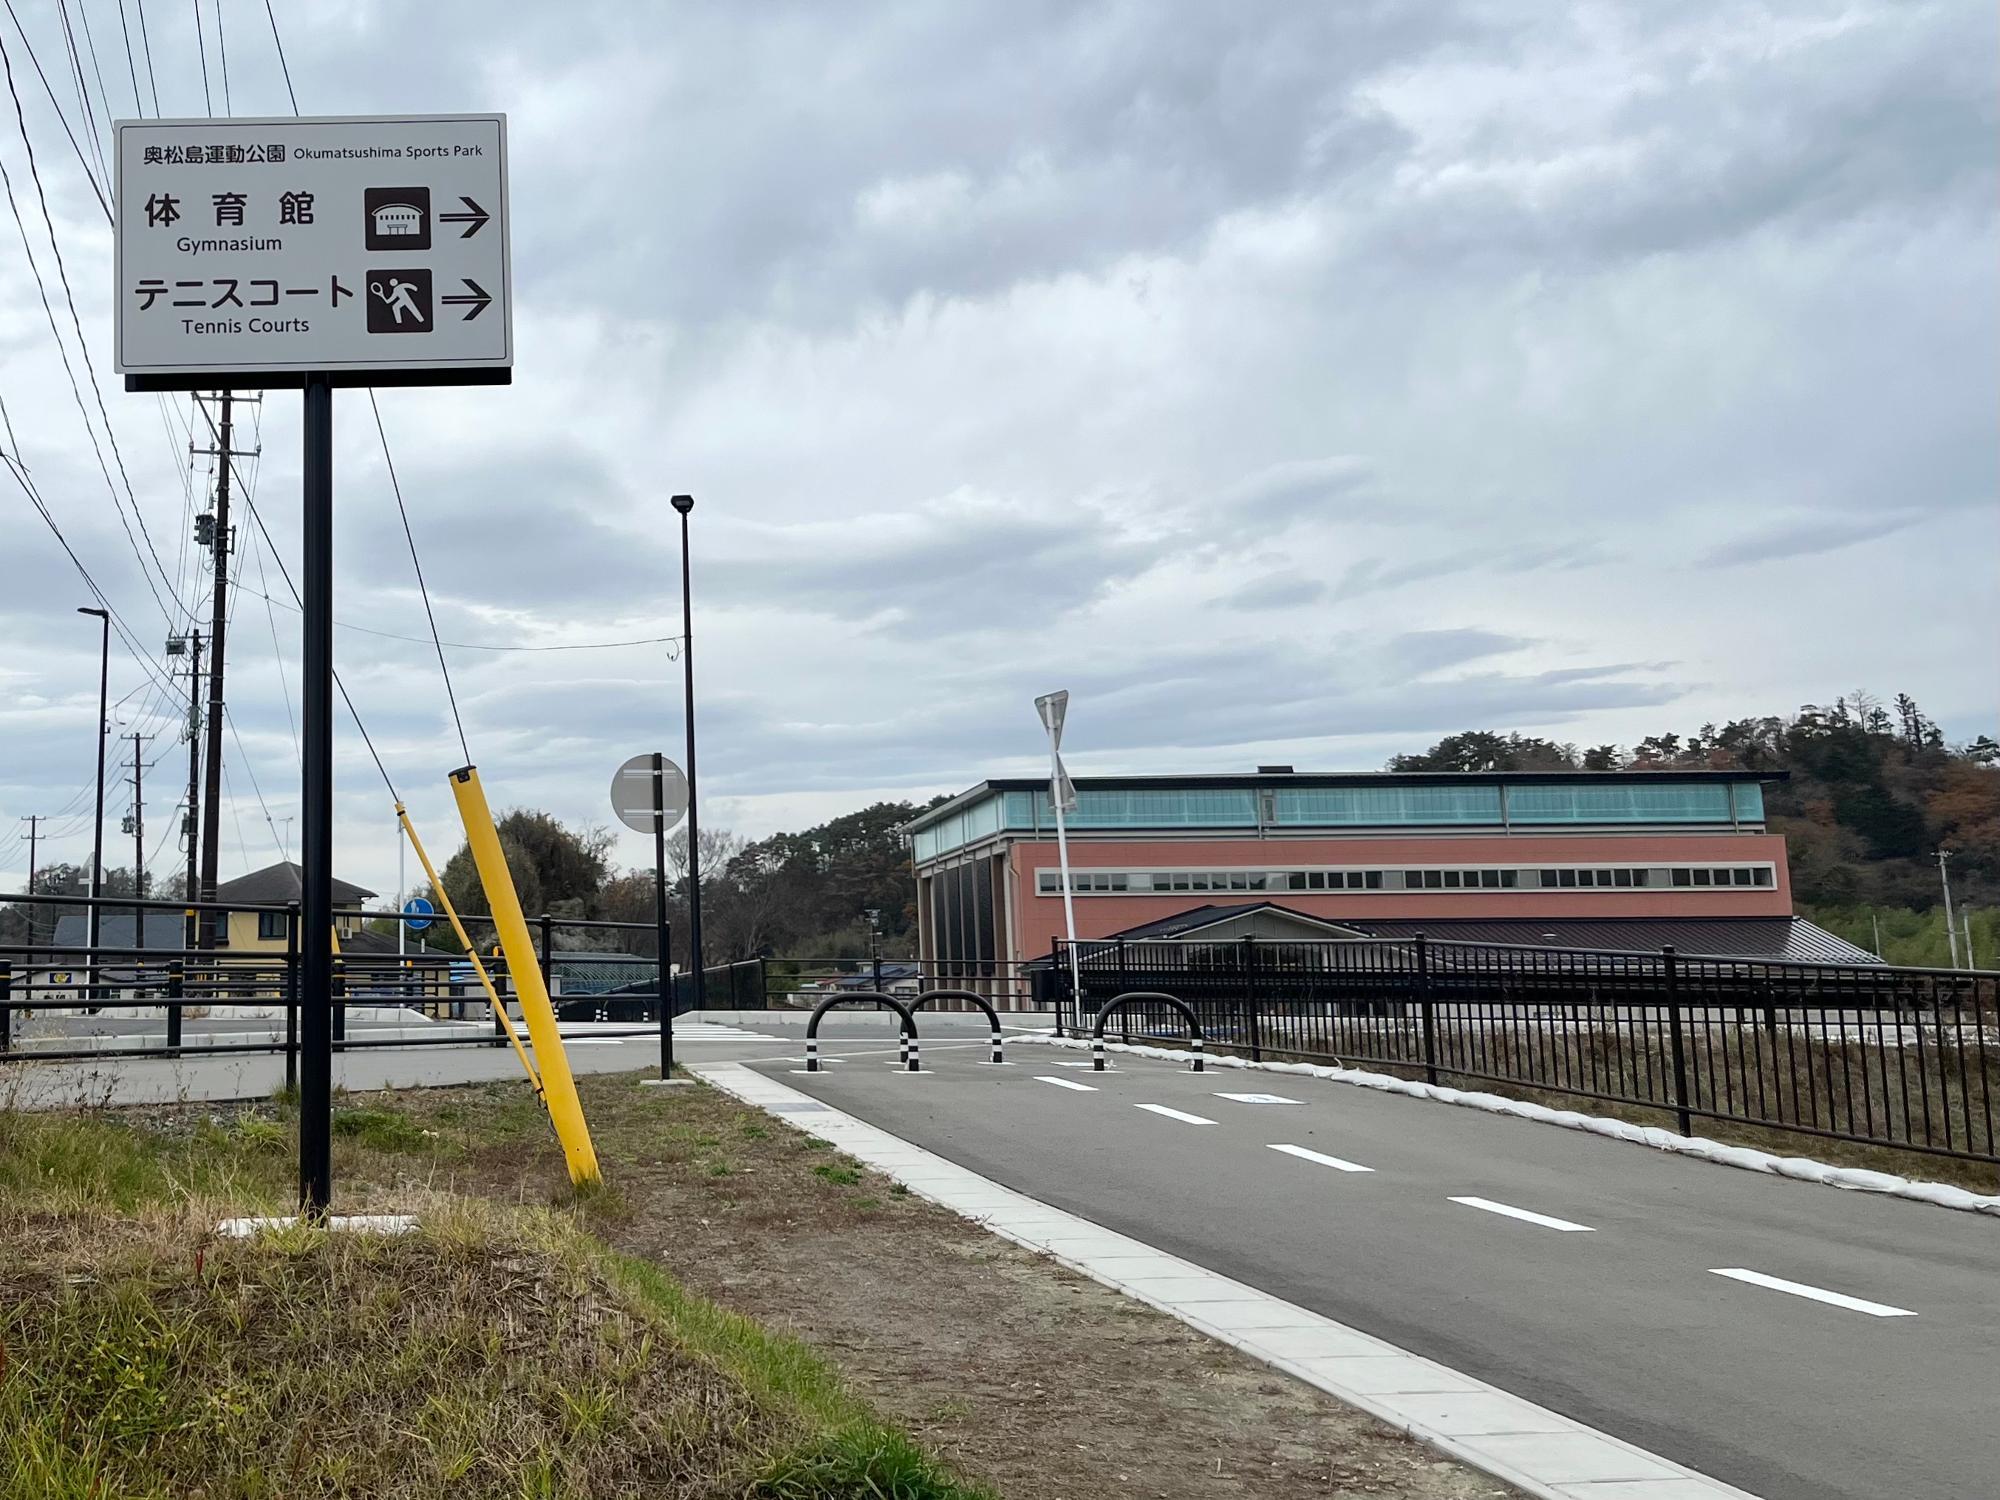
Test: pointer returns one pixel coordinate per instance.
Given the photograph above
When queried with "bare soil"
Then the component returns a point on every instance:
(1020, 1372)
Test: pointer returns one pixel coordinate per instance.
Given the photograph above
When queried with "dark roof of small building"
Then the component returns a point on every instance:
(164, 931)
(279, 883)
(377, 944)
(1197, 917)
(1787, 939)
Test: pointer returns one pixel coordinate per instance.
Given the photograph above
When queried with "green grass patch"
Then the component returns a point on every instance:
(380, 1129)
(500, 1353)
(837, 1173)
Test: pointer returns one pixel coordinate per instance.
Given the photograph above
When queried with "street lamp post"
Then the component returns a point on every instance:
(684, 504)
(92, 924)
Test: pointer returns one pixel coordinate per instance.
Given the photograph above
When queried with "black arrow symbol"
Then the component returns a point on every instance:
(478, 299)
(473, 222)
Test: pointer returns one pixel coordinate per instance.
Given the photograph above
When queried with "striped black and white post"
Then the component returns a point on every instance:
(913, 1064)
(903, 1051)
(812, 1054)
(1097, 1053)
(1196, 1044)
(996, 1057)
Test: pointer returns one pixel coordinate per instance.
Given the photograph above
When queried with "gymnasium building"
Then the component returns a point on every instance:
(1612, 859)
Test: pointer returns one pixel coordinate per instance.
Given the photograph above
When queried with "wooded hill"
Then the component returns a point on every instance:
(1875, 792)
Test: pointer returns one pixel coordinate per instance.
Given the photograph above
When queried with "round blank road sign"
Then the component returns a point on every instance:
(632, 793)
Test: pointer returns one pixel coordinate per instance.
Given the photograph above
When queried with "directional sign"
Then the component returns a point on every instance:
(632, 793)
(417, 913)
(254, 252)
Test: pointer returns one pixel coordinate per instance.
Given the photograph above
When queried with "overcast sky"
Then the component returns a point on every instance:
(1291, 381)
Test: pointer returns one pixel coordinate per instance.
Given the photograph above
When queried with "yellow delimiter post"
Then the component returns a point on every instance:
(504, 908)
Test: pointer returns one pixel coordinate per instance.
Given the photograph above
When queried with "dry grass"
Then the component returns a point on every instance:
(502, 1351)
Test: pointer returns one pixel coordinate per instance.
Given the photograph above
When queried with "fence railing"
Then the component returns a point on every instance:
(1903, 1058)
(142, 991)
(64, 999)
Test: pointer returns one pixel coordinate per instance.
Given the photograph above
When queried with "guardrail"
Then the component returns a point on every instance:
(1902, 1058)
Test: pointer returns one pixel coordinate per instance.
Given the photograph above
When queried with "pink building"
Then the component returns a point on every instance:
(1620, 859)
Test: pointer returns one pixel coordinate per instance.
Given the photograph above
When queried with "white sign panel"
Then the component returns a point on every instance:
(373, 249)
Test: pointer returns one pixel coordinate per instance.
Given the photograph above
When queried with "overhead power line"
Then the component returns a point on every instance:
(82, 160)
(279, 42)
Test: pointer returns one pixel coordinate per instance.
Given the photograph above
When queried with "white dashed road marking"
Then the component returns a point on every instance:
(1175, 1114)
(1325, 1161)
(1066, 1083)
(1818, 1294)
(1525, 1216)
(1260, 1098)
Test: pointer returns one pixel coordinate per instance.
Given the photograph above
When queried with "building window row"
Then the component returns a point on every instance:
(1593, 877)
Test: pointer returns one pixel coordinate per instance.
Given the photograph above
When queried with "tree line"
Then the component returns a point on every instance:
(1875, 791)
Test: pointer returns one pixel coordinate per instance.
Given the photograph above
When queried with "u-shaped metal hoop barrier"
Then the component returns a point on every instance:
(864, 997)
(1134, 997)
(992, 1016)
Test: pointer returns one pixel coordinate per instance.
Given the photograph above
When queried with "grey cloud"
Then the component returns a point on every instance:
(1316, 488)
(1276, 591)
(1805, 536)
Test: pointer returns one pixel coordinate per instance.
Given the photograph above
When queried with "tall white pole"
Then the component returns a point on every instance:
(1965, 921)
(1950, 931)
(1069, 897)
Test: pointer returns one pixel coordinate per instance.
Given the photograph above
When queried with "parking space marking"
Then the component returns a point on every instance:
(1817, 1294)
(1175, 1114)
(1066, 1083)
(1525, 1216)
(1325, 1161)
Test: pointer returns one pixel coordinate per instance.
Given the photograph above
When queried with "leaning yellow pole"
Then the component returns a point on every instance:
(471, 949)
(504, 907)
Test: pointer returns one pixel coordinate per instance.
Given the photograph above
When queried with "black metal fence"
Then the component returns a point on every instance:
(1903, 1058)
(144, 990)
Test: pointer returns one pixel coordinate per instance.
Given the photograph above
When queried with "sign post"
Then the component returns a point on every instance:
(259, 253)
(650, 794)
(1053, 709)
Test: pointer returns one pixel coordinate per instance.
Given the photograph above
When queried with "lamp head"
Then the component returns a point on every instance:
(85, 609)
(682, 503)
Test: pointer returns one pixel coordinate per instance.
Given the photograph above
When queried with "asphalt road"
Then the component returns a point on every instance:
(1619, 1320)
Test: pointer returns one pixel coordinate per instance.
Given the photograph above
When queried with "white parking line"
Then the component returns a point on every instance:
(1325, 1161)
(1818, 1294)
(1525, 1216)
(1260, 1098)
(1066, 1083)
(1175, 1114)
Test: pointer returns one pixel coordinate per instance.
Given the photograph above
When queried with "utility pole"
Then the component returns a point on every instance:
(217, 536)
(191, 819)
(95, 922)
(1950, 932)
(34, 822)
(136, 826)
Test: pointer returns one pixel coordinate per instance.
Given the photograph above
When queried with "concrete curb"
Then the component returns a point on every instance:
(1801, 1168)
(1539, 1451)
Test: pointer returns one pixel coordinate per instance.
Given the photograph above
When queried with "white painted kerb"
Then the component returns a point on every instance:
(1542, 1452)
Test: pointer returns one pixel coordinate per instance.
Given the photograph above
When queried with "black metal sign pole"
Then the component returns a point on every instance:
(316, 813)
(666, 987)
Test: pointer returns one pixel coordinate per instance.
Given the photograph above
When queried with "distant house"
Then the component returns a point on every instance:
(398, 219)
(63, 973)
(274, 885)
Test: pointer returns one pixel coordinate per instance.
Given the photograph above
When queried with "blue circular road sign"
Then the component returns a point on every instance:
(417, 913)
